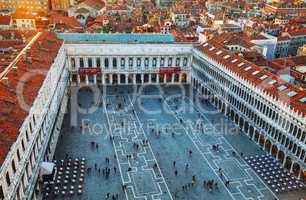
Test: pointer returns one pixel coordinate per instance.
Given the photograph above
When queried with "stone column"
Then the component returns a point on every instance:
(126, 78)
(86, 79)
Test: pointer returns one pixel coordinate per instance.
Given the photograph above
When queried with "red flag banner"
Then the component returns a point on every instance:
(169, 70)
(90, 70)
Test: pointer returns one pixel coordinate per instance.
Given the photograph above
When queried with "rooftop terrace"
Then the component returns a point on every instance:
(117, 38)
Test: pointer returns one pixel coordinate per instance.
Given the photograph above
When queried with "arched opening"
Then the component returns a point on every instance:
(288, 163)
(228, 111)
(232, 115)
(82, 78)
(223, 107)
(268, 146)
(246, 126)
(122, 78)
(296, 169)
(256, 137)
(184, 78)
(130, 78)
(153, 78)
(294, 148)
(236, 119)
(138, 78)
(168, 78)
(146, 78)
(106, 78)
(251, 131)
(115, 79)
(241, 122)
(261, 140)
(176, 78)
(274, 151)
(161, 79)
(281, 156)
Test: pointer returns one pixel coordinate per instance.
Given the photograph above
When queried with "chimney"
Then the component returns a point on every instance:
(5, 81)
(15, 70)
(12, 35)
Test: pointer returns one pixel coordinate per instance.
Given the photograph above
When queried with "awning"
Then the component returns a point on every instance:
(46, 168)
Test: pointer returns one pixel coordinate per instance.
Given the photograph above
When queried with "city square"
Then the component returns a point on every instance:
(173, 117)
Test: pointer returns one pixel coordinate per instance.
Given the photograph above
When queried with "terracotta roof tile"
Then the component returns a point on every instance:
(263, 84)
(5, 19)
(12, 114)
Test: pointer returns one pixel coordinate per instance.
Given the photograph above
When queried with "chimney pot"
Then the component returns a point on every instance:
(15, 69)
(5, 81)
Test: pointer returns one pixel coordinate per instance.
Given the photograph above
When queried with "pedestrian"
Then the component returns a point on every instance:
(174, 163)
(175, 172)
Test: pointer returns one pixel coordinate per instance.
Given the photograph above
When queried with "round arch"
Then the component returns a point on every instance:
(281, 156)
(296, 169)
(268, 145)
(274, 151)
(261, 140)
(288, 163)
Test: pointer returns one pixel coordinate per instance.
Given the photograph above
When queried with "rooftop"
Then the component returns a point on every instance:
(246, 72)
(43, 51)
(118, 38)
(5, 20)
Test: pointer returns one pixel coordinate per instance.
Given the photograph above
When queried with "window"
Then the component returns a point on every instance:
(106, 63)
(130, 62)
(13, 166)
(185, 61)
(282, 87)
(291, 93)
(22, 144)
(98, 62)
(169, 62)
(138, 62)
(122, 63)
(81, 62)
(72, 62)
(177, 61)
(34, 121)
(8, 180)
(89, 62)
(1, 193)
(303, 100)
(162, 62)
(18, 154)
(115, 63)
(27, 136)
(154, 62)
(146, 62)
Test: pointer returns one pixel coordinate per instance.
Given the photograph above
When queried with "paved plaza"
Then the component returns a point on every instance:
(164, 144)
